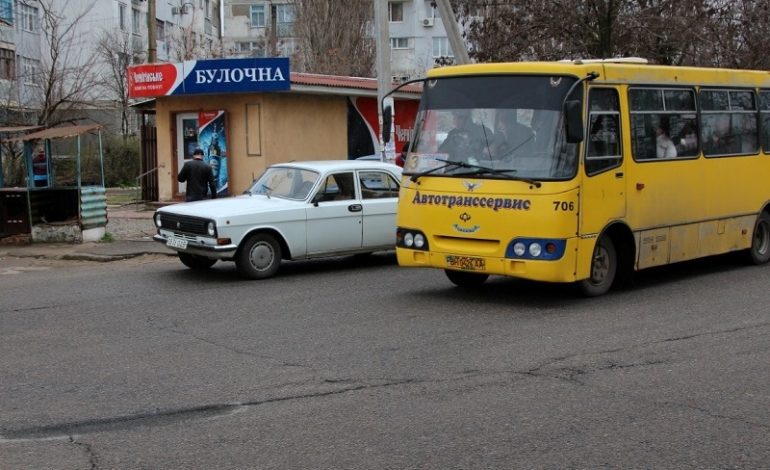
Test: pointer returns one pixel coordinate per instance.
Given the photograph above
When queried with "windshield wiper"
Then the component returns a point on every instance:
(480, 170)
(449, 163)
(267, 190)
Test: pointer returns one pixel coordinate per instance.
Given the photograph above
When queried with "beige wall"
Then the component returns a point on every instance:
(262, 129)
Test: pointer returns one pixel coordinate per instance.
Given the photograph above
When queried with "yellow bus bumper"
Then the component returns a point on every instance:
(561, 270)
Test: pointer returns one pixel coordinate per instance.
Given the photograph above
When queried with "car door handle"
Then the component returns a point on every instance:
(355, 208)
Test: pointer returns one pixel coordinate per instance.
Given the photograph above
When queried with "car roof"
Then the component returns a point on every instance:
(336, 165)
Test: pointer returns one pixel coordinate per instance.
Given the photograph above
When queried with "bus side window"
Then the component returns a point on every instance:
(603, 144)
(764, 107)
(729, 122)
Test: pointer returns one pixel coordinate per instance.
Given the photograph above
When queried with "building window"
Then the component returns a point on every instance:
(257, 16)
(252, 48)
(284, 18)
(160, 30)
(6, 11)
(441, 48)
(207, 8)
(122, 18)
(395, 12)
(7, 64)
(30, 69)
(399, 43)
(136, 24)
(28, 17)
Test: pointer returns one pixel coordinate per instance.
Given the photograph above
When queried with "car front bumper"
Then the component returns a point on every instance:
(196, 246)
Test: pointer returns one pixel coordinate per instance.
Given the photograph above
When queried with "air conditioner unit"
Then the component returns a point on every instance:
(400, 78)
(427, 22)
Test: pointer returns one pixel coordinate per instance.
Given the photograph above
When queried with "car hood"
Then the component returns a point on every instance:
(232, 206)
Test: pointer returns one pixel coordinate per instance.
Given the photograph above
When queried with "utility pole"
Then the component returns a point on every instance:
(152, 42)
(383, 61)
(453, 32)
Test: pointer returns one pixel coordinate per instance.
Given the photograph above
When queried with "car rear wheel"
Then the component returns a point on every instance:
(466, 279)
(260, 257)
(195, 261)
(760, 243)
(604, 265)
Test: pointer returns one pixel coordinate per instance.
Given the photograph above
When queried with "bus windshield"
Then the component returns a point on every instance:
(512, 126)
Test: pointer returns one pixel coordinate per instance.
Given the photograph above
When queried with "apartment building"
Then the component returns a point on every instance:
(263, 28)
(185, 29)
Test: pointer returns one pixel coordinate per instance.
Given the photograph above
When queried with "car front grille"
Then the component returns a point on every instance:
(184, 224)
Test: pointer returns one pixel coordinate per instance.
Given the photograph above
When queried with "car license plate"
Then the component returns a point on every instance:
(466, 263)
(174, 242)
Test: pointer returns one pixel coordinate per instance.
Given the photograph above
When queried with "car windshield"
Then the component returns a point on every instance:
(285, 182)
(510, 125)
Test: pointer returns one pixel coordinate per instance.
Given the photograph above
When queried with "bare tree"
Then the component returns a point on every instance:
(117, 53)
(335, 37)
(67, 70)
(726, 33)
(187, 44)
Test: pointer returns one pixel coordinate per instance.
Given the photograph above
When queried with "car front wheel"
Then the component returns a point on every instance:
(465, 279)
(195, 261)
(260, 256)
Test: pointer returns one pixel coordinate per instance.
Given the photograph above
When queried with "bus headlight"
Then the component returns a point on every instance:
(413, 239)
(419, 241)
(536, 249)
(519, 249)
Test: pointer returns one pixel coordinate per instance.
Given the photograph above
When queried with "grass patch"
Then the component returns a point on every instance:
(107, 238)
(122, 196)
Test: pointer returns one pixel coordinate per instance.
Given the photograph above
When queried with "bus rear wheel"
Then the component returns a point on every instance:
(465, 279)
(760, 242)
(604, 266)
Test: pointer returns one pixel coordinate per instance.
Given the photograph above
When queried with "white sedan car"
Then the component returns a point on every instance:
(294, 211)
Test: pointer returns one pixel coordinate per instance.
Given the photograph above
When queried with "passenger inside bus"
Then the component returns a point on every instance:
(512, 139)
(665, 147)
(467, 140)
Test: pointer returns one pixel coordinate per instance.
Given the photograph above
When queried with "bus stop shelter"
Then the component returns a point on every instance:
(63, 198)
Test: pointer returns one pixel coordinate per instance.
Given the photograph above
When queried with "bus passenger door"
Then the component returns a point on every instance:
(603, 195)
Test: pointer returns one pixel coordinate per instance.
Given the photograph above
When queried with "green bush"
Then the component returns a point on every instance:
(121, 161)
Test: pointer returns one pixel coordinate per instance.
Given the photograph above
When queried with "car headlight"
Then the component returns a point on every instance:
(158, 222)
(211, 228)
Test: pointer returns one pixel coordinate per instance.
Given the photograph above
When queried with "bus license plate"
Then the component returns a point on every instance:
(174, 242)
(466, 263)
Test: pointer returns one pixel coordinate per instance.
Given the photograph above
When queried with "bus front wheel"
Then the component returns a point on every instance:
(465, 279)
(604, 266)
(760, 243)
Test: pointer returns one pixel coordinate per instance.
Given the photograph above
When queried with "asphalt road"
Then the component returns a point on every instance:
(347, 364)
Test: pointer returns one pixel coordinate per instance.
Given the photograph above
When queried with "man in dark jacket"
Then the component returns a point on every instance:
(199, 178)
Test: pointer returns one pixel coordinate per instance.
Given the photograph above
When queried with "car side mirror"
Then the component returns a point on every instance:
(387, 122)
(574, 120)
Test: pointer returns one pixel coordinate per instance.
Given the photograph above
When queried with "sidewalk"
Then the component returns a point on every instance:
(131, 228)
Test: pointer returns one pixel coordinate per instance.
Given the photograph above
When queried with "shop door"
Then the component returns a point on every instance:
(187, 141)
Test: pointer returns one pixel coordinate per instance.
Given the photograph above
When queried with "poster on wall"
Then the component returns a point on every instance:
(403, 120)
(212, 140)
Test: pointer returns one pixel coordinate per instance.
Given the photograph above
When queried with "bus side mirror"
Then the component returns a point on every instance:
(387, 121)
(574, 120)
